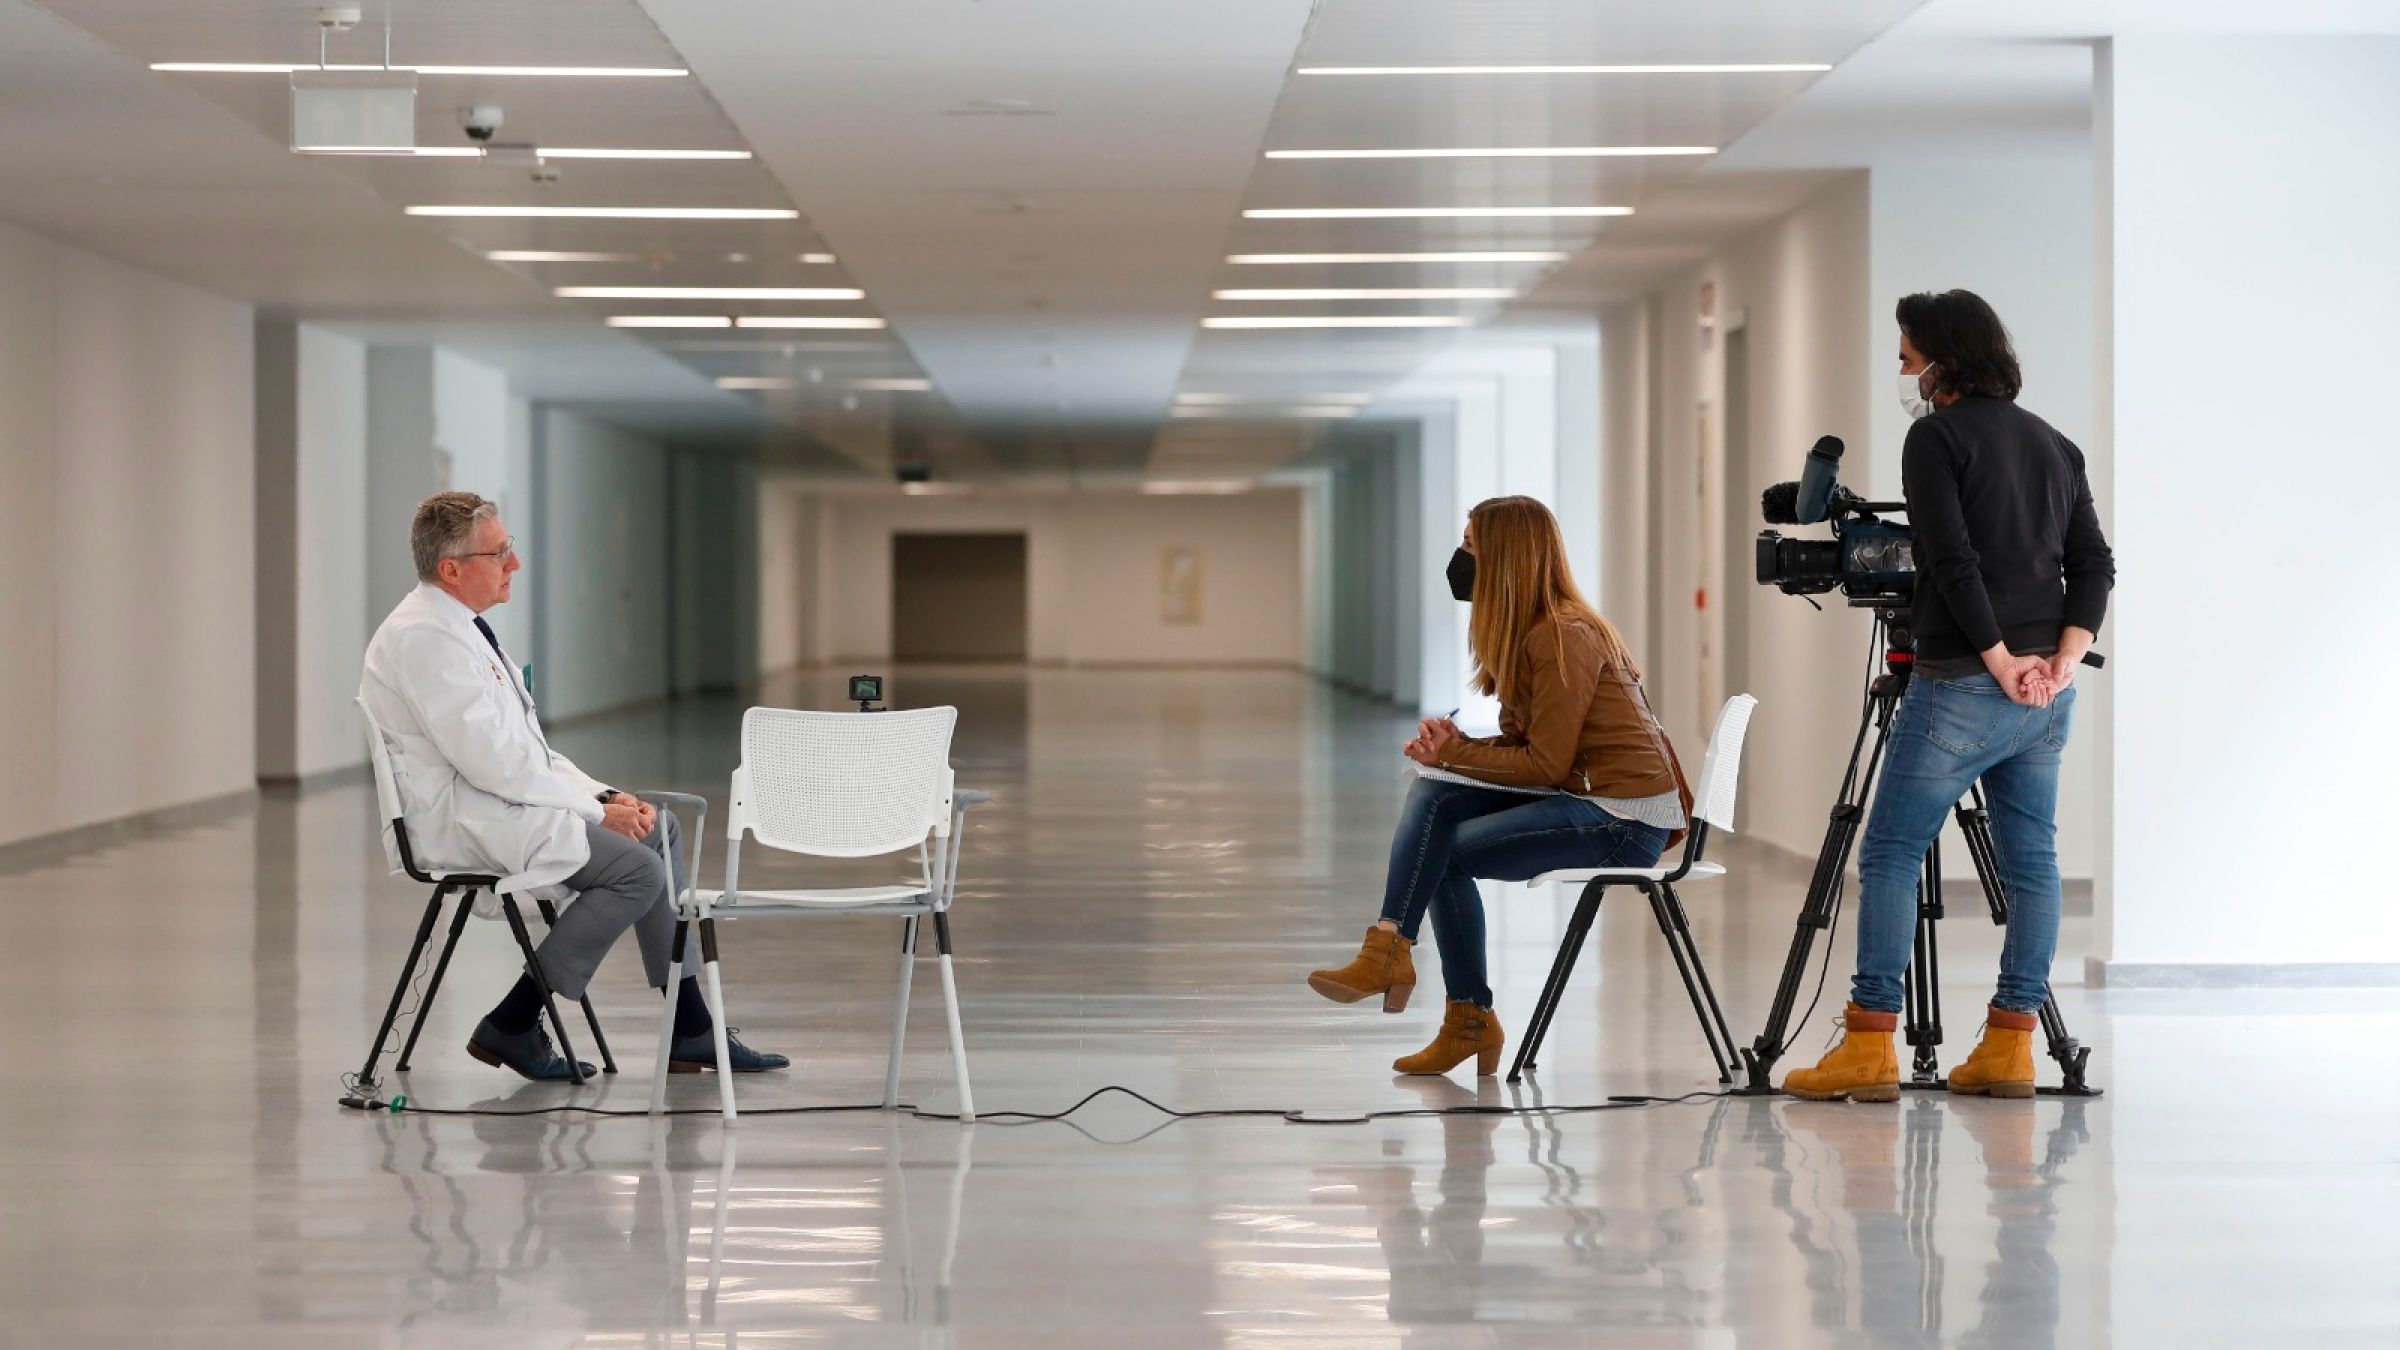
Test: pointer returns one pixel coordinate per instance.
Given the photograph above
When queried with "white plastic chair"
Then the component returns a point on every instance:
(837, 785)
(466, 885)
(1712, 806)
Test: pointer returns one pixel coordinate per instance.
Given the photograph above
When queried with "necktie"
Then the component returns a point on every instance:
(488, 635)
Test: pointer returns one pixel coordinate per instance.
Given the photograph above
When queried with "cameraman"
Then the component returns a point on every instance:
(2012, 583)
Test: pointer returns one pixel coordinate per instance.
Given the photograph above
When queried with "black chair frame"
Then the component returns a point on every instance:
(466, 887)
(1673, 923)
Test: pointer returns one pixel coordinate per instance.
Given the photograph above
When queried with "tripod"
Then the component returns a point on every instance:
(1922, 988)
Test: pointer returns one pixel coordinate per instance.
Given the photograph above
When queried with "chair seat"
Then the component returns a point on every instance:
(841, 897)
(1582, 875)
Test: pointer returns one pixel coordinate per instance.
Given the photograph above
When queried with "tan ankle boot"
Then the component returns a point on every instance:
(1466, 1031)
(1382, 966)
(1863, 1067)
(2002, 1065)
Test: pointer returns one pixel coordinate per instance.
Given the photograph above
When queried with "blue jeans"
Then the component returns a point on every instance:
(1946, 735)
(1449, 835)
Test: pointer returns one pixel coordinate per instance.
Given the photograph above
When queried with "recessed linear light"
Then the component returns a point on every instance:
(543, 255)
(1471, 256)
(797, 321)
(1782, 68)
(1432, 212)
(1373, 293)
(769, 347)
(753, 382)
(709, 293)
(1338, 321)
(541, 151)
(1201, 487)
(1324, 411)
(669, 321)
(894, 386)
(279, 68)
(1222, 399)
(817, 259)
(1508, 152)
(608, 212)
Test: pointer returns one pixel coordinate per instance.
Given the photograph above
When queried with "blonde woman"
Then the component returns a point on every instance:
(1574, 719)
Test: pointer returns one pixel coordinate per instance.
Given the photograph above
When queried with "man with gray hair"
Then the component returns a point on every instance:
(482, 791)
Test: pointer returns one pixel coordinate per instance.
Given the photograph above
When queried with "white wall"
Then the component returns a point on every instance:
(1801, 284)
(2247, 189)
(312, 548)
(127, 532)
(602, 548)
(1093, 565)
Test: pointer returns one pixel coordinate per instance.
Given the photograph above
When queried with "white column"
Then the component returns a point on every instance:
(2247, 190)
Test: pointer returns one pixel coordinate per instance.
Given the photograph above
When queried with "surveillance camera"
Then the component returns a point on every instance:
(481, 122)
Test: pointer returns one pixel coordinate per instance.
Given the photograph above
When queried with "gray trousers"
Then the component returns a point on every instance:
(623, 885)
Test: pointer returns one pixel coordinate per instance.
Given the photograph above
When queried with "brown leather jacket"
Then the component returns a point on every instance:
(1585, 727)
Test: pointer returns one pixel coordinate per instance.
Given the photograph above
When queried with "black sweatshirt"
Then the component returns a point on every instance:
(2009, 548)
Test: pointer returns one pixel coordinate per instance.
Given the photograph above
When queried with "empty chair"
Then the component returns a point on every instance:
(838, 785)
(1712, 807)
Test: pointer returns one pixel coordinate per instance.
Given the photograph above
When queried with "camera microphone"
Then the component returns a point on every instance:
(1780, 504)
(1815, 493)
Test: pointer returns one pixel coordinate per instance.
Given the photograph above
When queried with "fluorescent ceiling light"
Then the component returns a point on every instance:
(774, 347)
(817, 259)
(709, 293)
(1508, 152)
(1779, 68)
(279, 68)
(548, 152)
(753, 382)
(1205, 487)
(937, 489)
(609, 212)
(1219, 399)
(669, 321)
(1469, 256)
(894, 386)
(1330, 410)
(539, 151)
(544, 255)
(1432, 212)
(1372, 293)
(1338, 321)
(798, 321)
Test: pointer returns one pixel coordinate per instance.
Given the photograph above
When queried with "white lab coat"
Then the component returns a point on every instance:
(480, 788)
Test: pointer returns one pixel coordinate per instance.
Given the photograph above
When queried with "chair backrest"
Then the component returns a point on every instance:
(842, 784)
(1712, 796)
(387, 793)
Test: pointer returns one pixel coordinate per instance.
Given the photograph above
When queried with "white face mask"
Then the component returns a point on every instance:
(1912, 397)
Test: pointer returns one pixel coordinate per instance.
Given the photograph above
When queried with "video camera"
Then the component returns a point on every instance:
(1871, 559)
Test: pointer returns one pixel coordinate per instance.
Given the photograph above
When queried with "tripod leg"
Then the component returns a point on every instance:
(1659, 896)
(2073, 1056)
(1554, 989)
(433, 985)
(1923, 991)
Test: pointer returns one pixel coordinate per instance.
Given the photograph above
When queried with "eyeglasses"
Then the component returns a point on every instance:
(507, 549)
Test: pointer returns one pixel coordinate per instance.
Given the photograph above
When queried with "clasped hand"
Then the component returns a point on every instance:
(1433, 733)
(2032, 680)
(628, 815)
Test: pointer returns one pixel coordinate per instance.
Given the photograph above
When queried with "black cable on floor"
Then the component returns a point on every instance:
(400, 1105)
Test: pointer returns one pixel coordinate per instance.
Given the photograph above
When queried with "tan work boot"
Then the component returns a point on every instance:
(1466, 1030)
(2002, 1065)
(1863, 1067)
(1382, 966)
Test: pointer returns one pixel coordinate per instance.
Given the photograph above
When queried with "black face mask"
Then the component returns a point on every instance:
(1462, 576)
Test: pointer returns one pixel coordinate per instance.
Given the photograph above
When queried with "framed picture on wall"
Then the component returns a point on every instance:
(1179, 586)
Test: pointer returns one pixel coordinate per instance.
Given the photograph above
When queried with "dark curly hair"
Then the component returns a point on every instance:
(1958, 332)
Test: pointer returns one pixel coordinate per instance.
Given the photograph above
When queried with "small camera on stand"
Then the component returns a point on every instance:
(867, 691)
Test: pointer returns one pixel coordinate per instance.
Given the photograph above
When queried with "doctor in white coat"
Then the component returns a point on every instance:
(481, 790)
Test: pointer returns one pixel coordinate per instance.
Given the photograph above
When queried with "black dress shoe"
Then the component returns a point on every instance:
(698, 1054)
(528, 1052)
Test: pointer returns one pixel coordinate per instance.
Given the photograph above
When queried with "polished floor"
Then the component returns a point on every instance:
(1166, 854)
